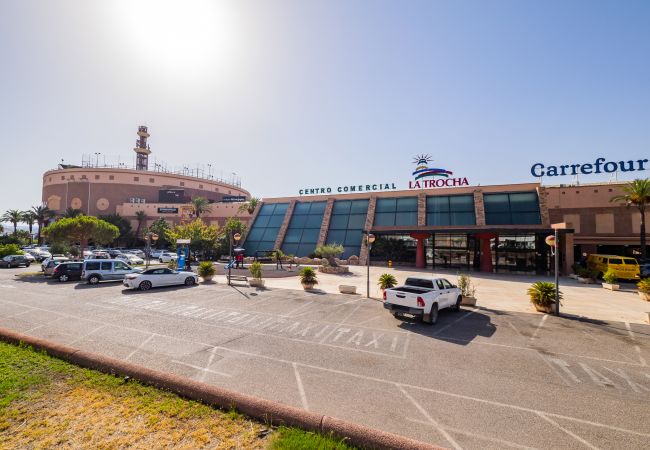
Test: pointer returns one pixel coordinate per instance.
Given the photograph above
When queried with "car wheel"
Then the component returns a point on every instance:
(145, 285)
(93, 279)
(63, 278)
(433, 316)
(28, 264)
(160, 260)
(190, 281)
(458, 302)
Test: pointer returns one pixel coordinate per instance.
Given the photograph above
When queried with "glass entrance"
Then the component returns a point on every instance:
(450, 250)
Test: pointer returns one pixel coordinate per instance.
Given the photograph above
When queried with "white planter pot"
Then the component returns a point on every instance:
(585, 280)
(573, 276)
(346, 289)
(207, 278)
(254, 282)
(611, 287)
(468, 301)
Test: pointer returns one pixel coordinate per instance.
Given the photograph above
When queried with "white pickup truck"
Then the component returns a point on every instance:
(423, 297)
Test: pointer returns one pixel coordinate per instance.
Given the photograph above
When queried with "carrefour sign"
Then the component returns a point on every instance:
(601, 165)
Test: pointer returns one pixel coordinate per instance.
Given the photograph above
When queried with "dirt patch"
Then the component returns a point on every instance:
(73, 415)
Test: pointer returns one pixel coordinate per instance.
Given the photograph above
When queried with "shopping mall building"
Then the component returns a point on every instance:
(97, 188)
(443, 222)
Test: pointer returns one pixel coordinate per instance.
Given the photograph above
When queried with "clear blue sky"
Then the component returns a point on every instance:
(292, 94)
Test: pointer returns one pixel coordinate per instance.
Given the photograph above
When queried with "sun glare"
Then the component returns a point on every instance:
(179, 38)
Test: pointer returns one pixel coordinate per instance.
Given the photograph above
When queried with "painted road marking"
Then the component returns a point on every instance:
(636, 347)
(381, 380)
(139, 347)
(301, 388)
(539, 327)
(573, 435)
(203, 370)
(340, 335)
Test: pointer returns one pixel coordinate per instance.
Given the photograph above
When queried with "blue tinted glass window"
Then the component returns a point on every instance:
(301, 208)
(339, 222)
(406, 218)
(346, 225)
(318, 207)
(359, 207)
(293, 235)
(396, 211)
(451, 210)
(384, 219)
(304, 228)
(516, 208)
(298, 221)
(264, 231)
(385, 205)
(437, 204)
(356, 221)
(336, 236)
(408, 204)
(341, 207)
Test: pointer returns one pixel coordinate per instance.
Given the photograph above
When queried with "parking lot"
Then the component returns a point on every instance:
(479, 378)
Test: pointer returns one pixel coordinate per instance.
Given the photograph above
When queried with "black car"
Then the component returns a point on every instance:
(68, 271)
(14, 261)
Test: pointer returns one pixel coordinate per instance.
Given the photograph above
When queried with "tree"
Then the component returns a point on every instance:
(161, 228)
(42, 214)
(201, 205)
(71, 213)
(330, 252)
(203, 238)
(29, 218)
(121, 223)
(81, 230)
(141, 216)
(2, 229)
(637, 193)
(250, 205)
(233, 225)
(14, 216)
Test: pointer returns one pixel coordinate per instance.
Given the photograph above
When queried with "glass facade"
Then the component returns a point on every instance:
(451, 250)
(264, 231)
(450, 210)
(392, 212)
(521, 252)
(518, 208)
(346, 225)
(398, 248)
(302, 235)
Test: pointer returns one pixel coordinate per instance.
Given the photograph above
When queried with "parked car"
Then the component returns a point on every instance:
(29, 257)
(155, 254)
(159, 277)
(624, 268)
(113, 253)
(423, 298)
(39, 254)
(14, 261)
(49, 264)
(138, 253)
(131, 259)
(99, 255)
(167, 256)
(644, 270)
(68, 271)
(96, 270)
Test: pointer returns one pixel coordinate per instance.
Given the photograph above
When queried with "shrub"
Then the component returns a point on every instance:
(206, 269)
(387, 281)
(307, 275)
(60, 248)
(610, 277)
(586, 272)
(644, 286)
(173, 264)
(542, 293)
(330, 252)
(10, 249)
(256, 270)
(465, 285)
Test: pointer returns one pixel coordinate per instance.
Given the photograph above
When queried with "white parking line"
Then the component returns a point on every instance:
(539, 327)
(139, 347)
(301, 388)
(201, 369)
(636, 347)
(90, 333)
(431, 420)
(573, 435)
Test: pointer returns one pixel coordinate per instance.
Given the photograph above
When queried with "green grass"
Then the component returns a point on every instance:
(293, 439)
(109, 411)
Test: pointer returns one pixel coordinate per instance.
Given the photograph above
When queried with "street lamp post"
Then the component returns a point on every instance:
(557, 275)
(370, 238)
(150, 237)
(236, 237)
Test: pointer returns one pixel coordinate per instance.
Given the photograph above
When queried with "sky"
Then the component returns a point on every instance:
(298, 94)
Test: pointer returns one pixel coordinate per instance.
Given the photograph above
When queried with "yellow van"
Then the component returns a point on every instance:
(623, 267)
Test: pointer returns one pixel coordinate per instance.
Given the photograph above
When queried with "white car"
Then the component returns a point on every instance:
(39, 254)
(423, 298)
(167, 257)
(131, 259)
(138, 253)
(29, 257)
(156, 253)
(159, 277)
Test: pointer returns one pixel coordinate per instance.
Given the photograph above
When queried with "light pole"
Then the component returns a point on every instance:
(552, 242)
(236, 237)
(370, 238)
(150, 237)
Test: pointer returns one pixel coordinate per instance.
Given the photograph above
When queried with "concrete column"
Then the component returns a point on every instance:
(285, 225)
(542, 194)
(479, 207)
(370, 220)
(422, 209)
(327, 215)
(420, 260)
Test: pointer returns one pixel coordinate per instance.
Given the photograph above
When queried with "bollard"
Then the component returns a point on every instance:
(390, 263)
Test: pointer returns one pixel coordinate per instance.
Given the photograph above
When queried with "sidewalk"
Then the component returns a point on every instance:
(496, 291)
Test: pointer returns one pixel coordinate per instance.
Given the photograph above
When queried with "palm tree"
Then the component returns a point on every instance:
(14, 216)
(42, 214)
(637, 193)
(71, 213)
(29, 218)
(250, 205)
(201, 205)
(142, 219)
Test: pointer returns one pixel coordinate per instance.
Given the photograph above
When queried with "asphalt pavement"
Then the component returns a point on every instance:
(479, 378)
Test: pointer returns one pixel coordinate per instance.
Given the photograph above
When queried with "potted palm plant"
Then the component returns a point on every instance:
(386, 281)
(644, 289)
(308, 278)
(206, 270)
(542, 296)
(467, 290)
(256, 272)
(609, 281)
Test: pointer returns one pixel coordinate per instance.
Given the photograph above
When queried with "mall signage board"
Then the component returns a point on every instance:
(171, 195)
(425, 177)
(233, 198)
(349, 189)
(600, 165)
(167, 210)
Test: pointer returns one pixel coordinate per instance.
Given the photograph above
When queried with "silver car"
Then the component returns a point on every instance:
(96, 270)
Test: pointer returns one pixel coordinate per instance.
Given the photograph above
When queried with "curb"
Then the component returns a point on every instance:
(264, 410)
